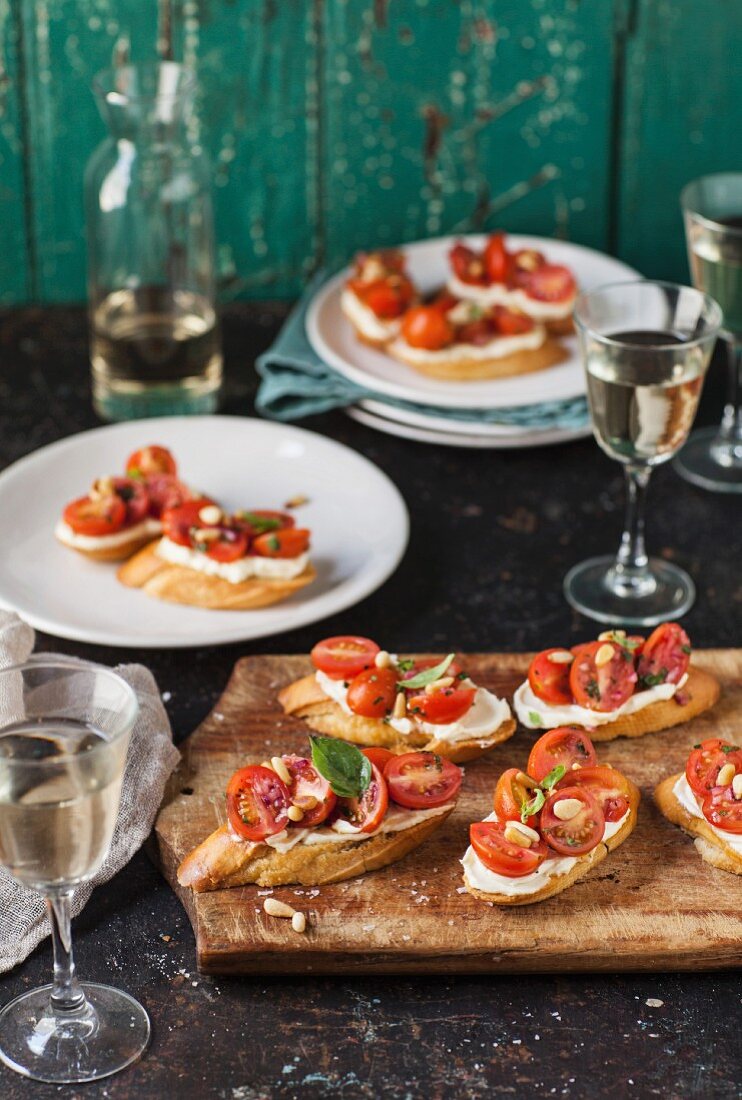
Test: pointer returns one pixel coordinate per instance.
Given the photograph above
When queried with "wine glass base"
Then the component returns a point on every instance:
(108, 1034)
(587, 589)
(697, 464)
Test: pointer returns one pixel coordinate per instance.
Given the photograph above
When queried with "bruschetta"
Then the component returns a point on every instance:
(363, 694)
(324, 818)
(459, 340)
(706, 801)
(119, 515)
(522, 279)
(376, 295)
(551, 824)
(618, 686)
(208, 558)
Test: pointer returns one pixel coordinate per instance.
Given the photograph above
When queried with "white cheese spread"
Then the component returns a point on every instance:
(148, 528)
(494, 349)
(252, 565)
(396, 820)
(497, 294)
(365, 320)
(535, 714)
(687, 799)
(485, 715)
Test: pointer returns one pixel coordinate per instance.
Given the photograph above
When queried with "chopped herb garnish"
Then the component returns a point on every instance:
(262, 524)
(534, 718)
(405, 664)
(593, 689)
(653, 679)
(725, 748)
(685, 649)
(274, 544)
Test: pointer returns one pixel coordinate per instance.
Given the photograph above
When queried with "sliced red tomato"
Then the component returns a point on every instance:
(95, 518)
(223, 543)
(478, 332)
(501, 855)
(443, 706)
(549, 679)
(178, 522)
(511, 795)
(467, 265)
(419, 780)
(610, 787)
(606, 687)
(511, 322)
(378, 756)
(566, 745)
(550, 283)
(257, 803)
(707, 760)
(310, 791)
(388, 297)
(287, 543)
(723, 810)
(165, 491)
(582, 832)
(135, 498)
(426, 327)
(150, 461)
(665, 656)
(372, 692)
(496, 258)
(367, 812)
(344, 656)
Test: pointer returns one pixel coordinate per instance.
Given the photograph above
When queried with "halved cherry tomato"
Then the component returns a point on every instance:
(606, 687)
(723, 810)
(496, 258)
(421, 665)
(443, 302)
(443, 706)
(565, 745)
(634, 643)
(467, 265)
(229, 543)
(287, 543)
(388, 297)
(310, 791)
(665, 656)
(257, 803)
(523, 262)
(165, 491)
(500, 855)
(478, 332)
(135, 498)
(425, 327)
(582, 832)
(378, 756)
(344, 656)
(150, 461)
(511, 322)
(178, 522)
(367, 812)
(510, 797)
(372, 692)
(95, 518)
(549, 679)
(705, 763)
(610, 788)
(550, 283)
(418, 780)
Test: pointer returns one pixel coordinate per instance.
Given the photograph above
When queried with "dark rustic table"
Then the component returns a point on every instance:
(493, 532)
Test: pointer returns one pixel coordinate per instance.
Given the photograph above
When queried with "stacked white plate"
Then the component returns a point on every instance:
(434, 420)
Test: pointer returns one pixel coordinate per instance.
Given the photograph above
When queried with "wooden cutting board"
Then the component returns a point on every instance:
(651, 905)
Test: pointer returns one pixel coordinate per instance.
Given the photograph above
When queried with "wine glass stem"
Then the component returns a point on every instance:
(731, 425)
(631, 560)
(67, 996)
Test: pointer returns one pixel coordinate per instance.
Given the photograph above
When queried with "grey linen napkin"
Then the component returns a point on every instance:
(150, 760)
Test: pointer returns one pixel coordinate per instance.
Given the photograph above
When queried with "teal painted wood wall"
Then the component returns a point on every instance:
(335, 124)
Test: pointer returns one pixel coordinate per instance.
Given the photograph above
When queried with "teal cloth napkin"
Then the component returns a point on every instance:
(296, 383)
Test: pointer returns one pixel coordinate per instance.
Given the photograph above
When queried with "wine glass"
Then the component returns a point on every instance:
(64, 732)
(646, 347)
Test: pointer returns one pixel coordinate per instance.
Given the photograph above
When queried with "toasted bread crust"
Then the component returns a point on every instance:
(468, 370)
(220, 862)
(584, 864)
(562, 326)
(708, 845)
(179, 584)
(120, 552)
(305, 699)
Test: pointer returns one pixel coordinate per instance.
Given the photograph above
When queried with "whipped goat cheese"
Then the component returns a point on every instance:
(534, 713)
(497, 348)
(497, 294)
(148, 528)
(252, 565)
(687, 799)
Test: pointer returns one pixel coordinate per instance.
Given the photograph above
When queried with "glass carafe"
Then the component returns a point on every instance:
(155, 345)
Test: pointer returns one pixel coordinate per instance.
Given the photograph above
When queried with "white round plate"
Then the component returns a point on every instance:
(457, 439)
(334, 340)
(358, 520)
(449, 424)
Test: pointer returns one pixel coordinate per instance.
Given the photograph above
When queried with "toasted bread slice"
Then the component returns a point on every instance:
(120, 552)
(584, 865)
(709, 844)
(179, 584)
(562, 326)
(305, 699)
(702, 691)
(221, 861)
(470, 370)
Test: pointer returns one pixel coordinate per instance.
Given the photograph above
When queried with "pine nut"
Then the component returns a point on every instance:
(210, 514)
(102, 487)
(611, 635)
(296, 501)
(295, 813)
(275, 908)
(400, 706)
(737, 786)
(567, 808)
(310, 802)
(438, 685)
(281, 770)
(562, 657)
(515, 836)
(299, 922)
(726, 775)
(382, 659)
(525, 831)
(604, 655)
(267, 764)
(576, 767)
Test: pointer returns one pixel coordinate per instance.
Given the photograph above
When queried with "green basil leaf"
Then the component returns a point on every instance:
(553, 777)
(429, 676)
(534, 718)
(528, 809)
(344, 766)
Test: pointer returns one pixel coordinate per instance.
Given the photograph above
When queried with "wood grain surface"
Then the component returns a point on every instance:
(652, 905)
